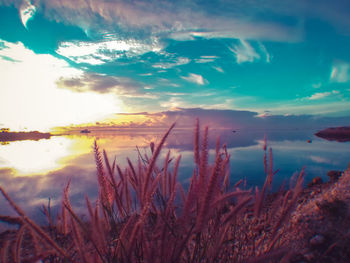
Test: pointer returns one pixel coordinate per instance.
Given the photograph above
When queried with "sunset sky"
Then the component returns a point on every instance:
(65, 62)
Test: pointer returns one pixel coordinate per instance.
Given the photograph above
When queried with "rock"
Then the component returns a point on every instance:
(334, 175)
(317, 240)
(316, 180)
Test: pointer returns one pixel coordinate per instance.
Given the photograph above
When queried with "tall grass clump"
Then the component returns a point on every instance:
(143, 214)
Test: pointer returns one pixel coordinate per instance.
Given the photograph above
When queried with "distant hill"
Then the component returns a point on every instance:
(340, 134)
(18, 136)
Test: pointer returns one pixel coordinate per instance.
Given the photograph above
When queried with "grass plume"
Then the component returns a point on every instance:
(142, 214)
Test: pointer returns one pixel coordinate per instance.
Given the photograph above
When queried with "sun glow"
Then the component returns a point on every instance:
(30, 98)
(39, 157)
(31, 158)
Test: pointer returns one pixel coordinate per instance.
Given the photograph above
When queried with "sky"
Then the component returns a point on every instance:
(65, 63)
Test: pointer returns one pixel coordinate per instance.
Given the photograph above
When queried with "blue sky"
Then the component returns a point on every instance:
(67, 62)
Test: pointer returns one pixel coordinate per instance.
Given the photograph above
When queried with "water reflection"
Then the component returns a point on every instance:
(33, 171)
(33, 157)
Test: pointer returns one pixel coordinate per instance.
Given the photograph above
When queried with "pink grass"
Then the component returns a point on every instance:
(143, 214)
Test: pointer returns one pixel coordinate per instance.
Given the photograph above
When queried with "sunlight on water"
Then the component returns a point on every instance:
(29, 158)
(40, 157)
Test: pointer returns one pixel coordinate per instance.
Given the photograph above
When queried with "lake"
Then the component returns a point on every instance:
(34, 171)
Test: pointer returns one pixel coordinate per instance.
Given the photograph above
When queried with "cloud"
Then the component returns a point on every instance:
(185, 117)
(195, 78)
(167, 82)
(319, 159)
(321, 95)
(185, 20)
(27, 12)
(2, 45)
(101, 83)
(172, 62)
(219, 69)
(107, 50)
(172, 103)
(234, 119)
(264, 51)
(340, 72)
(205, 59)
(31, 192)
(175, 93)
(188, 100)
(244, 52)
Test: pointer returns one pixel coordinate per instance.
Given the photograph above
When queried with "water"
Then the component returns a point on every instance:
(34, 171)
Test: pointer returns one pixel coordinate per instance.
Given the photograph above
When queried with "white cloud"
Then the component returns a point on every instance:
(27, 12)
(340, 72)
(219, 69)
(205, 59)
(244, 52)
(179, 102)
(175, 93)
(107, 50)
(177, 62)
(195, 78)
(318, 159)
(321, 95)
(173, 102)
(264, 51)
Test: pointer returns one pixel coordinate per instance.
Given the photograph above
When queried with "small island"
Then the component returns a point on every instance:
(340, 134)
(7, 136)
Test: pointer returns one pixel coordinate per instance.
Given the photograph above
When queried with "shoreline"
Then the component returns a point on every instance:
(340, 134)
(20, 136)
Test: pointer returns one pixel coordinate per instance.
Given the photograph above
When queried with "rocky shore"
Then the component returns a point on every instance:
(320, 225)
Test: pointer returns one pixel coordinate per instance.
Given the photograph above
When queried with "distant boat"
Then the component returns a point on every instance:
(234, 131)
(309, 141)
(85, 131)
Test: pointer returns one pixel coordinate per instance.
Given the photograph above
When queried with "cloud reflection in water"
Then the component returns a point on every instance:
(33, 171)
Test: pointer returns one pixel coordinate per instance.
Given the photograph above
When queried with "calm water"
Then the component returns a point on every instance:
(33, 171)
